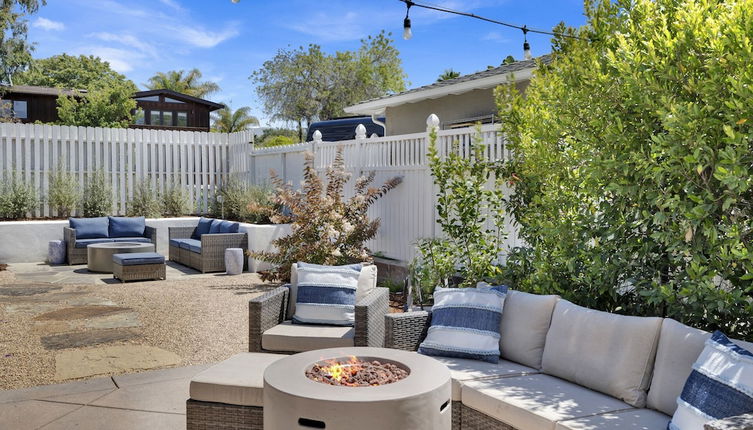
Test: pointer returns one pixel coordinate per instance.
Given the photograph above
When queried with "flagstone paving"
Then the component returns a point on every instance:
(61, 322)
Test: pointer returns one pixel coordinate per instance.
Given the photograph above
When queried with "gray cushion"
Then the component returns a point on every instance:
(610, 353)
(302, 337)
(525, 323)
(138, 258)
(463, 369)
(83, 243)
(141, 239)
(239, 380)
(190, 244)
(366, 283)
(631, 419)
(535, 401)
(90, 228)
(679, 347)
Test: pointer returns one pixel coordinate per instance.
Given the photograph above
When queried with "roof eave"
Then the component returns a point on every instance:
(379, 106)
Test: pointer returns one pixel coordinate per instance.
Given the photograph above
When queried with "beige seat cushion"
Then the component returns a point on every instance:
(239, 380)
(290, 337)
(525, 322)
(610, 353)
(633, 419)
(367, 281)
(462, 370)
(679, 347)
(535, 402)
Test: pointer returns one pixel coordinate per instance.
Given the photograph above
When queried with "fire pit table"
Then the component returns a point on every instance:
(99, 255)
(361, 388)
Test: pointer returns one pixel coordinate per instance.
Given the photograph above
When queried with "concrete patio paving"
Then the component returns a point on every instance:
(148, 400)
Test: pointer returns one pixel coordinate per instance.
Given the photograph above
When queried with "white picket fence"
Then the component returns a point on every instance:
(408, 212)
(195, 161)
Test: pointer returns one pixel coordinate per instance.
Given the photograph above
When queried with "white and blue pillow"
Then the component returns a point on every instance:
(720, 385)
(326, 294)
(465, 323)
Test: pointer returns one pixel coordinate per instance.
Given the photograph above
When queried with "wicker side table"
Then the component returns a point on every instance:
(139, 266)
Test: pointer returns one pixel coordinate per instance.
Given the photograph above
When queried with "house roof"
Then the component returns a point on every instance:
(490, 78)
(179, 96)
(45, 91)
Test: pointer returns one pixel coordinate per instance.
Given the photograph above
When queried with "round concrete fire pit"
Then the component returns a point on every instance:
(421, 400)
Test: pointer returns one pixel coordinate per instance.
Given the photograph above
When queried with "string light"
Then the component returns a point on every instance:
(407, 33)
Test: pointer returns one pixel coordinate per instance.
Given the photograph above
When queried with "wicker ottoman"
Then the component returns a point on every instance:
(138, 266)
(229, 395)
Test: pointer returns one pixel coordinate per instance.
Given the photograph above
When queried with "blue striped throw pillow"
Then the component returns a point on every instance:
(326, 294)
(465, 323)
(719, 386)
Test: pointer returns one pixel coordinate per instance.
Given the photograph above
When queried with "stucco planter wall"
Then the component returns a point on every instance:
(26, 241)
(260, 237)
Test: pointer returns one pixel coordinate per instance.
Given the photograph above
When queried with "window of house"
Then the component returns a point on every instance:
(20, 109)
(169, 100)
(182, 118)
(167, 118)
(148, 99)
(155, 117)
(139, 117)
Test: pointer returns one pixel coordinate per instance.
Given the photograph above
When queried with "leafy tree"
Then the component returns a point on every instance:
(186, 82)
(64, 193)
(145, 202)
(447, 75)
(228, 121)
(68, 71)
(632, 163)
(109, 106)
(97, 196)
(508, 60)
(303, 85)
(15, 51)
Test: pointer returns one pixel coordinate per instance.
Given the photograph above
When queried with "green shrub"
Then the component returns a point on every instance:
(175, 202)
(17, 197)
(145, 201)
(277, 141)
(97, 199)
(63, 195)
(247, 203)
(632, 163)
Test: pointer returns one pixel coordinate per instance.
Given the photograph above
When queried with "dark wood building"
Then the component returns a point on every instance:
(170, 110)
(30, 104)
(157, 109)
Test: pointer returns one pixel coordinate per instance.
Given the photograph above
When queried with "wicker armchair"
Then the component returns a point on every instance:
(80, 256)
(213, 246)
(270, 309)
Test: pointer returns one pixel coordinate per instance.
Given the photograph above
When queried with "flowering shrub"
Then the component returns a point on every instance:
(327, 228)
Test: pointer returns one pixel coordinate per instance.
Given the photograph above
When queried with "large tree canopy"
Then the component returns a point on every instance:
(186, 82)
(633, 163)
(303, 85)
(15, 51)
(68, 71)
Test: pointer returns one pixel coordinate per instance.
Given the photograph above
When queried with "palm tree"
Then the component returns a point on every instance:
(183, 82)
(448, 74)
(227, 121)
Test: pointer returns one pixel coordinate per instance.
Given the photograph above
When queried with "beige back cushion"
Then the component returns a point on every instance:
(366, 283)
(610, 353)
(679, 347)
(525, 322)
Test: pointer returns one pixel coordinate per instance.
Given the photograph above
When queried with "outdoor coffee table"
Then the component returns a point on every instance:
(99, 255)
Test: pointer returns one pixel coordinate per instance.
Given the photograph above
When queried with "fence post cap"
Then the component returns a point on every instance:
(317, 135)
(432, 121)
(361, 131)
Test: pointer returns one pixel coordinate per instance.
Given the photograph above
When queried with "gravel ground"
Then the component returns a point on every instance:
(202, 320)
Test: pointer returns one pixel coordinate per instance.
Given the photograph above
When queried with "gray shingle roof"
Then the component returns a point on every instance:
(49, 91)
(501, 70)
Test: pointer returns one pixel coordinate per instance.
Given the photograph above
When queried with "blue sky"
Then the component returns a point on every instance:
(228, 41)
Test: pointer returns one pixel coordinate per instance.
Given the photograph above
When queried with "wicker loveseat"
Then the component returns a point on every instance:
(564, 367)
(83, 232)
(270, 329)
(202, 249)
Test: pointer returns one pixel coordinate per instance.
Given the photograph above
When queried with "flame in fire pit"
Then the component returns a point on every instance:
(355, 372)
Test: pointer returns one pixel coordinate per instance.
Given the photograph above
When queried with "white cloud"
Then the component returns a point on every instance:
(127, 40)
(173, 5)
(333, 26)
(201, 38)
(48, 24)
(495, 36)
(121, 60)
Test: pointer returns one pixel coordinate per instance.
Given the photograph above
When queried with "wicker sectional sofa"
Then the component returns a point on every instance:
(103, 229)
(564, 367)
(203, 252)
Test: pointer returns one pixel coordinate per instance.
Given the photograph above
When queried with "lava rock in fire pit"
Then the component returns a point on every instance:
(356, 373)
